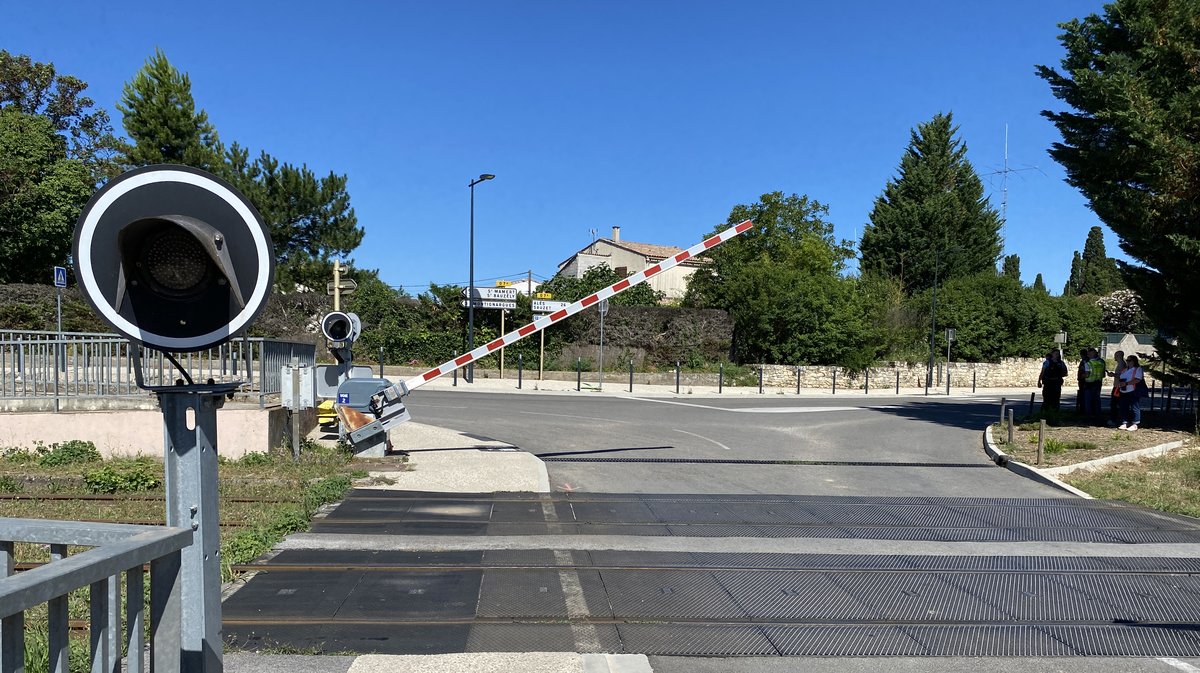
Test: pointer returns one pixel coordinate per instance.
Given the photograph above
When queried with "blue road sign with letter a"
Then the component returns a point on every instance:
(60, 276)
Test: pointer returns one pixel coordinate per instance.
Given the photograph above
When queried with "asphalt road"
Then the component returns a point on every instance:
(842, 446)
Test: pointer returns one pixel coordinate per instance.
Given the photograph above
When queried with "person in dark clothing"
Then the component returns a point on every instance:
(1054, 370)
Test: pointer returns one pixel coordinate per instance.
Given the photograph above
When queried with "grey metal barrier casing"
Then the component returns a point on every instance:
(356, 394)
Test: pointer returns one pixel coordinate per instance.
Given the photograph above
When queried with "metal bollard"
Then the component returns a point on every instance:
(578, 374)
(797, 380)
(866, 382)
(973, 373)
(835, 381)
(721, 378)
(455, 384)
(631, 376)
(520, 370)
(1032, 396)
(1010, 426)
(1041, 439)
(1003, 403)
(677, 377)
(760, 379)
(947, 380)
(897, 382)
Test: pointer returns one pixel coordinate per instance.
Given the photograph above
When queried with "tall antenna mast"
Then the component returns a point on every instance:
(1004, 183)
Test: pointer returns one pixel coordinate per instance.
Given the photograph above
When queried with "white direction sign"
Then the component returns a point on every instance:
(494, 293)
(490, 303)
(543, 306)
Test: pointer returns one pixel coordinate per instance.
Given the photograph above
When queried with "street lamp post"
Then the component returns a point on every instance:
(470, 378)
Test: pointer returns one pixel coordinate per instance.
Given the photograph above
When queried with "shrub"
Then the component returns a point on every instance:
(68, 453)
(9, 484)
(124, 477)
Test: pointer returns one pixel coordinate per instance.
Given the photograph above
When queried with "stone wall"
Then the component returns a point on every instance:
(1008, 373)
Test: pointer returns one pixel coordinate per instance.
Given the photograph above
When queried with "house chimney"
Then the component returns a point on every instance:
(616, 235)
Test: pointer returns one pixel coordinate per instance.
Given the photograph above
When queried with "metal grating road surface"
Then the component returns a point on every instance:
(708, 603)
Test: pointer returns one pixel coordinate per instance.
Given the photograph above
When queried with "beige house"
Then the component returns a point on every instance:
(627, 257)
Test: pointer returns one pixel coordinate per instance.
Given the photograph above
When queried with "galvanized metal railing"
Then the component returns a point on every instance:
(46, 365)
(116, 550)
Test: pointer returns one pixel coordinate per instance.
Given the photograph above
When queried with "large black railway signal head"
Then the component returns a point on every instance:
(173, 257)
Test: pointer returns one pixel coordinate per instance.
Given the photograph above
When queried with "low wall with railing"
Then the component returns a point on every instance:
(78, 369)
(116, 551)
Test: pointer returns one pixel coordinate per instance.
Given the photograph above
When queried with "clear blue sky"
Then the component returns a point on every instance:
(656, 116)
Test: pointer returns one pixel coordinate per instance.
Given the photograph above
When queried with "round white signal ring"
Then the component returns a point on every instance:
(87, 278)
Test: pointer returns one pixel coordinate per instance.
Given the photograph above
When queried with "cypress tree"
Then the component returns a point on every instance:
(1098, 273)
(932, 218)
(1011, 267)
(1039, 285)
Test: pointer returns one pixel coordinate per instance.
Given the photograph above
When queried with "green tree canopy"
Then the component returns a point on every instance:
(781, 283)
(1040, 285)
(1131, 144)
(41, 193)
(38, 89)
(932, 219)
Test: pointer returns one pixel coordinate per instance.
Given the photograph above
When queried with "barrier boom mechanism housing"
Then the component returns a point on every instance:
(386, 409)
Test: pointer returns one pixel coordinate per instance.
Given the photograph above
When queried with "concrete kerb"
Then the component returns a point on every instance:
(1028, 471)
(1049, 475)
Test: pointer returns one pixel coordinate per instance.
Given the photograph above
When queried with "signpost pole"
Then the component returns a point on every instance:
(60, 353)
(337, 285)
(295, 408)
(502, 312)
(541, 353)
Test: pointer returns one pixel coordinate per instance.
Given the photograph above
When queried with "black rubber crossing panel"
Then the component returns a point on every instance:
(988, 641)
(665, 594)
(870, 640)
(335, 638)
(793, 596)
(541, 594)
(696, 641)
(584, 638)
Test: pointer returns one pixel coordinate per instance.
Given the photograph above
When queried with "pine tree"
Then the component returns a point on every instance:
(1130, 142)
(162, 120)
(1039, 285)
(932, 220)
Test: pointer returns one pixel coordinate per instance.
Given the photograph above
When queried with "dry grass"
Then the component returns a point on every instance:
(1170, 483)
(1069, 440)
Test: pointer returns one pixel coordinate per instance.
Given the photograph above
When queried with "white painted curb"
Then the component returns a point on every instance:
(1004, 460)
(1151, 452)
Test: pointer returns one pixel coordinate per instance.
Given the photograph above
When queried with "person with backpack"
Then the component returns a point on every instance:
(1050, 380)
(1132, 385)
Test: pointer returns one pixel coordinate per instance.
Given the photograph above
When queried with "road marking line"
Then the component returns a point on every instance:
(1181, 665)
(702, 437)
(586, 637)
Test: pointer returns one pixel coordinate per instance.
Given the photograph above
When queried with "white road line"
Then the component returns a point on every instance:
(586, 636)
(1181, 665)
(702, 437)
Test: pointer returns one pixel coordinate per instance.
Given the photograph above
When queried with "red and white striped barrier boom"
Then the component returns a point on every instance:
(391, 396)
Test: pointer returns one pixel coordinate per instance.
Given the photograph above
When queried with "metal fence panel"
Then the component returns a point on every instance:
(46, 365)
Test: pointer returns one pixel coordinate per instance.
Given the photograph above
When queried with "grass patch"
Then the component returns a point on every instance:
(1170, 483)
(287, 493)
